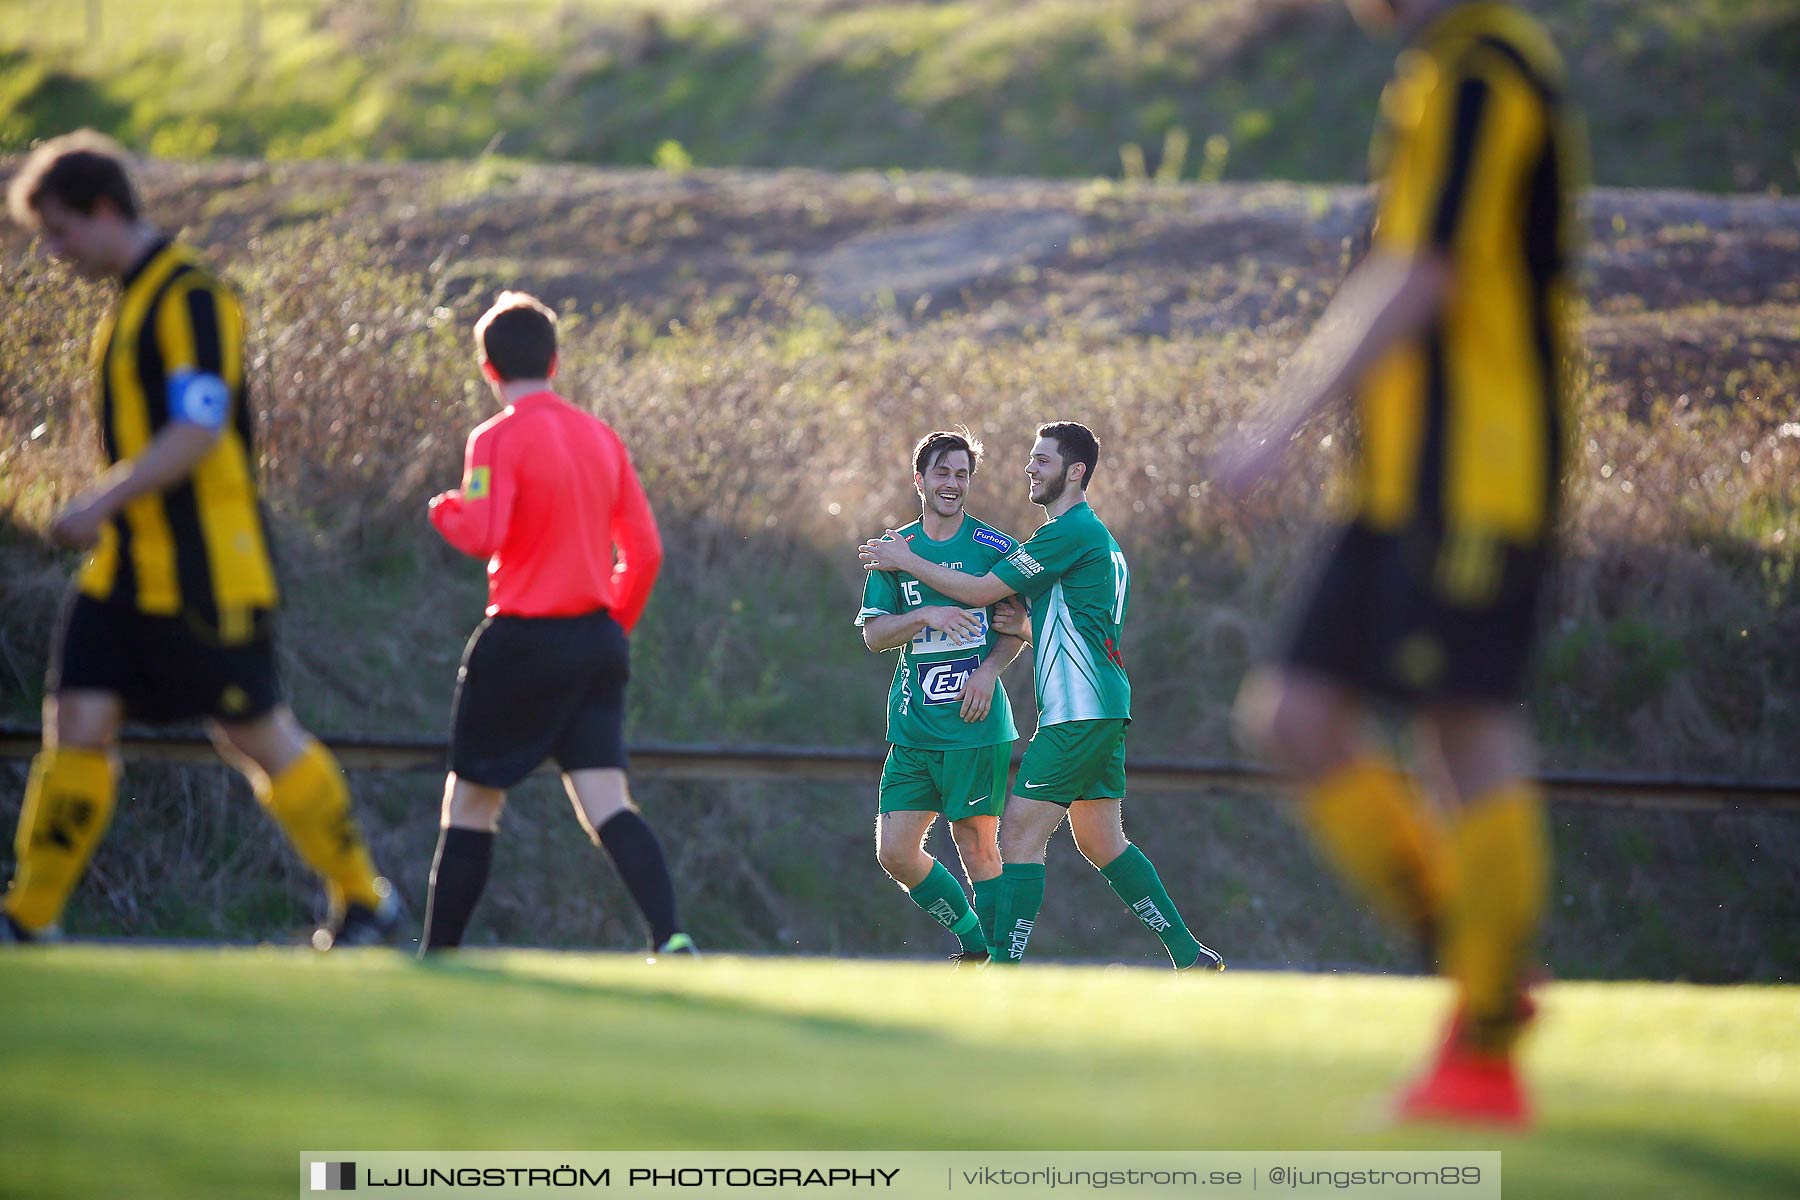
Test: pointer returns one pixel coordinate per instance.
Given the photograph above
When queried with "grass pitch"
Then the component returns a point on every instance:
(145, 1072)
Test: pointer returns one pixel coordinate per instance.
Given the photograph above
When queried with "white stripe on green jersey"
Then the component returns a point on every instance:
(925, 698)
(1076, 577)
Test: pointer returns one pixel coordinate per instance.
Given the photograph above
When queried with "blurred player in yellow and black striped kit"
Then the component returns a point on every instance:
(1451, 335)
(170, 618)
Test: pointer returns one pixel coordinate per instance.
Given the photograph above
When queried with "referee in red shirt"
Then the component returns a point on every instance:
(548, 494)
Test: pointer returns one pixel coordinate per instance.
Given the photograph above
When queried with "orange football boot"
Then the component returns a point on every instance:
(1470, 1084)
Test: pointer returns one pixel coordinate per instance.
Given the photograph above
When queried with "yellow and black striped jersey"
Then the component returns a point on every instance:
(1462, 426)
(173, 348)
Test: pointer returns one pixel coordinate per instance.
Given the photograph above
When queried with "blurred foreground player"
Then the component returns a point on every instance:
(551, 501)
(1451, 333)
(172, 613)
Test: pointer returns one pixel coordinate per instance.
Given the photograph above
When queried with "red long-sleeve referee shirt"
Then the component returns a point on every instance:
(548, 496)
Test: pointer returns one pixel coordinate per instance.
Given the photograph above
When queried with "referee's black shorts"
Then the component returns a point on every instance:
(1381, 620)
(177, 668)
(536, 688)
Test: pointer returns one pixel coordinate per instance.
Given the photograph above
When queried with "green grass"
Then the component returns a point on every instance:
(208, 1071)
(1677, 94)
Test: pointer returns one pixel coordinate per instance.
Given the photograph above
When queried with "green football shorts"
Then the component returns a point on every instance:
(1076, 760)
(957, 783)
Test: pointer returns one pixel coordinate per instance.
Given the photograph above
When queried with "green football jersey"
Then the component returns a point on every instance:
(1075, 576)
(925, 699)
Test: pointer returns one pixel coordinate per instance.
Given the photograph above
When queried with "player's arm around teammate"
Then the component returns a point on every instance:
(171, 616)
(551, 500)
(1075, 764)
(1012, 616)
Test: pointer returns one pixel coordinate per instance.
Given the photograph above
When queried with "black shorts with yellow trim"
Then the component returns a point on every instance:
(1414, 617)
(177, 668)
(537, 688)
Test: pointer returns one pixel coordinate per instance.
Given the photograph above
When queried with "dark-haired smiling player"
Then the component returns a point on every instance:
(550, 499)
(950, 726)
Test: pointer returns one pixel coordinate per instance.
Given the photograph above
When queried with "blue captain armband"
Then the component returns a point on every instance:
(199, 398)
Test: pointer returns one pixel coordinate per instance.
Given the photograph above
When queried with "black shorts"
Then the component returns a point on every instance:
(1385, 618)
(532, 688)
(166, 668)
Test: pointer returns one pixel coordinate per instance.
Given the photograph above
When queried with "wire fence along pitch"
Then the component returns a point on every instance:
(815, 764)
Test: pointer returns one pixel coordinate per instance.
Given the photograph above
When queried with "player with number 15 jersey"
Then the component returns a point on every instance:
(950, 726)
(924, 701)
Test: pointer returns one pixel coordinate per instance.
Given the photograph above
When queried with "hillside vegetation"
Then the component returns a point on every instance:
(771, 344)
(1678, 94)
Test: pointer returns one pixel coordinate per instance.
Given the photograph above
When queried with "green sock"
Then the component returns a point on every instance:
(1016, 904)
(987, 892)
(1134, 880)
(943, 901)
